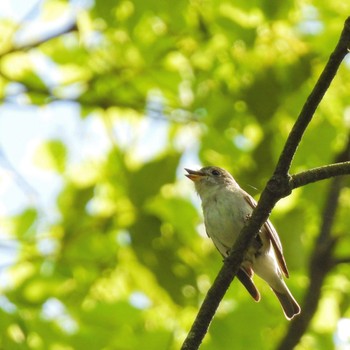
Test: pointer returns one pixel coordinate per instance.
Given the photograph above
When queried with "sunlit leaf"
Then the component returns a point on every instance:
(119, 248)
(51, 155)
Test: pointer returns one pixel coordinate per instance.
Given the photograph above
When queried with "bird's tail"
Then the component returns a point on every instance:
(289, 305)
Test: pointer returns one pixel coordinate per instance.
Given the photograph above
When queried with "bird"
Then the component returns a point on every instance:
(226, 208)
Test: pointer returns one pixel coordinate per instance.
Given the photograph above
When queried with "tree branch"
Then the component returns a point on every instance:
(71, 27)
(343, 260)
(227, 273)
(321, 173)
(277, 187)
(321, 261)
(314, 100)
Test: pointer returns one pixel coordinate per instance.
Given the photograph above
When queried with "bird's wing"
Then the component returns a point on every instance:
(273, 236)
(244, 276)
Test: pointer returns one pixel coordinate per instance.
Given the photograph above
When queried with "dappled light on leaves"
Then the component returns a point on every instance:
(118, 259)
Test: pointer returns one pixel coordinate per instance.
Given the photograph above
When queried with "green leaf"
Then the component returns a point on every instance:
(51, 155)
(178, 212)
(23, 224)
(147, 181)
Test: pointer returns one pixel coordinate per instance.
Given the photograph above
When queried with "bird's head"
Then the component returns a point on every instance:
(209, 178)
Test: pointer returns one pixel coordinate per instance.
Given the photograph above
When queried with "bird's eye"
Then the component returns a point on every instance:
(215, 172)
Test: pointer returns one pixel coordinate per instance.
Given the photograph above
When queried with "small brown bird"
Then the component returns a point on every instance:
(226, 208)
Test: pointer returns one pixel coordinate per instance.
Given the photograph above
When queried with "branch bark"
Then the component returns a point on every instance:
(71, 27)
(314, 100)
(278, 186)
(321, 173)
(321, 262)
(343, 260)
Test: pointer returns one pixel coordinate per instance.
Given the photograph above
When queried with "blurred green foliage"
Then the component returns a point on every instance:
(225, 80)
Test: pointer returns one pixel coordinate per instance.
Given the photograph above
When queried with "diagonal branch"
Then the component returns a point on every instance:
(71, 27)
(277, 187)
(314, 100)
(321, 262)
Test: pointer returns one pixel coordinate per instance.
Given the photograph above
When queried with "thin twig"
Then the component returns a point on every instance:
(344, 260)
(71, 27)
(318, 174)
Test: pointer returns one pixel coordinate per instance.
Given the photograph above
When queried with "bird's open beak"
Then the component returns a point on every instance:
(194, 175)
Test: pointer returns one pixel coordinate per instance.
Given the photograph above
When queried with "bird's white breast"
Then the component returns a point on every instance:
(225, 213)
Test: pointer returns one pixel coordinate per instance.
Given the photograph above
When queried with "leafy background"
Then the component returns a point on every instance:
(120, 260)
